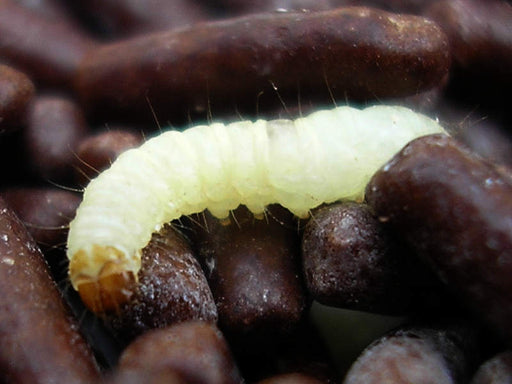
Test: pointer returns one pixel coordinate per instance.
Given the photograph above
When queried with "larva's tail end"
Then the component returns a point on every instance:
(104, 277)
(107, 293)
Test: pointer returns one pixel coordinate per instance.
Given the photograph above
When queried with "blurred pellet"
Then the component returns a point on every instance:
(45, 212)
(16, 92)
(354, 52)
(40, 340)
(454, 210)
(48, 51)
(171, 288)
(56, 125)
(496, 370)
(291, 378)
(487, 135)
(115, 18)
(351, 261)
(399, 6)
(234, 7)
(303, 352)
(253, 269)
(197, 351)
(441, 354)
(144, 375)
(480, 35)
(96, 152)
(54, 10)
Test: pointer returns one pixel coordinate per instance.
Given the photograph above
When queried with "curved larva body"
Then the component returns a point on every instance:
(327, 156)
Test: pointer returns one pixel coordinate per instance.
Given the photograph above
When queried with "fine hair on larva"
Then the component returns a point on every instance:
(326, 156)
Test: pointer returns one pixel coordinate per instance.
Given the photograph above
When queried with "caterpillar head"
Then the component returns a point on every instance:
(104, 277)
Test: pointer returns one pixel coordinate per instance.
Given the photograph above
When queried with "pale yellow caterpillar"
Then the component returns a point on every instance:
(299, 164)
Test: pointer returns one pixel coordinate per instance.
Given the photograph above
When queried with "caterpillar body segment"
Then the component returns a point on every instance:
(299, 164)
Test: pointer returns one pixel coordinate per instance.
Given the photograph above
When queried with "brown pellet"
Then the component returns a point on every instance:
(96, 152)
(53, 10)
(144, 375)
(49, 52)
(45, 212)
(480, 36)
(40, 339)
(16, 92)
(196, 350)
(454, 210)
(233, 7)
(441, 354)
(303, 351)
(55, 127)
(353, 52)
(351, 261)
(253, 269)
(291, 378)
(114, 19)
(496, 370)
(171, 288)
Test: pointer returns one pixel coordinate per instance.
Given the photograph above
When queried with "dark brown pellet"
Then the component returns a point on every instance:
(301, 352)
(356, 53)
(291, 378)
(45, 212)
(53, 10)
(96, 153)
(480, 35)
(171, 288)
(129, 17)
(16, 92)
(351, 261)
(144, 375)
(252, 267)
(56, 126)
(40, 339)
(197, 351)
(496, 370)
(232, 7)
(454, 210)
(49, 52)
(442, 354)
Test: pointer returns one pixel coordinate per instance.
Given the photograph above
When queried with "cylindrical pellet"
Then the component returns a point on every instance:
(171, 288)
(351, 261)
(291, 378)
(56, 126)
(480, 36)
(252, 267)
(496, 370)
(45, 212)
(16, 92)
(115, 18)
(441, 354)
(454, 210)
(46, 50)
(197, 351)
(40, 339)
(356, 53)
(96, 152)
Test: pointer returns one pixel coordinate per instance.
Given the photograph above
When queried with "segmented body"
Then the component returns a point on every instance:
(299, 164)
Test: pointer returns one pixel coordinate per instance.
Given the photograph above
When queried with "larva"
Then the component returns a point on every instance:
(299, 164)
